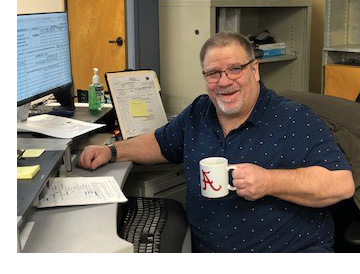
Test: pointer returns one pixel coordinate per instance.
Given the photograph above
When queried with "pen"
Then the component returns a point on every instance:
(20, 154)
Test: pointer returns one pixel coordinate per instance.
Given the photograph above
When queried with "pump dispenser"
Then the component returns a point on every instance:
(96, 93)
(96, 78)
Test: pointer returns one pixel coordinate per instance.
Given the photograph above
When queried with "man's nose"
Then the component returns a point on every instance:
(224, 80)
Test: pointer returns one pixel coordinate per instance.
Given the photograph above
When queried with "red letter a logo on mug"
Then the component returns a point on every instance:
(206, 181)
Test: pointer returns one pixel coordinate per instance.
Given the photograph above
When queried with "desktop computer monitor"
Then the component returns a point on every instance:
(43, 58)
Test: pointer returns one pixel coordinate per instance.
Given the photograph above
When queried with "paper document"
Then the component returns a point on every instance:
(137, 102)
(56, 126)
(81, 191)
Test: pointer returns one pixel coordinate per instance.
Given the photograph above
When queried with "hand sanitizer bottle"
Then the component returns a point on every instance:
(96, 93)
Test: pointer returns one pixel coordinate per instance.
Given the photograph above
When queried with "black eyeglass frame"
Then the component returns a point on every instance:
(241, 67)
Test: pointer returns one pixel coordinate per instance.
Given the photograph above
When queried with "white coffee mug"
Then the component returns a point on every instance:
(214, 177)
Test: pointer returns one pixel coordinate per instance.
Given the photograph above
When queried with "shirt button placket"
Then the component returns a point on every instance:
(223, 147)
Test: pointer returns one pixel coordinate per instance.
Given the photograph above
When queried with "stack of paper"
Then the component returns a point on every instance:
(56, 126)
(82, 191)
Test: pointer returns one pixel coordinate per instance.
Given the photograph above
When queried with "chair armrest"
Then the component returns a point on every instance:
(352, 233)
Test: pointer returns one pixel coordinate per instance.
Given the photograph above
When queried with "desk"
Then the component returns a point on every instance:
(27, 140)
(86, 115)
(90, 228)
(49, 144)
(29, 190)
(78, 228)
(82, 113)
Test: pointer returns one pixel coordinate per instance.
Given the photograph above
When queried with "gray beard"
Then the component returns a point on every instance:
(229, 111)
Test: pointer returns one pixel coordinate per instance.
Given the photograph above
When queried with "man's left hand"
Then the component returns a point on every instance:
(250, 181)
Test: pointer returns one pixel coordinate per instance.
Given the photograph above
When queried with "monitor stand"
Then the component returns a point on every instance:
(56, 111)
(23, 112)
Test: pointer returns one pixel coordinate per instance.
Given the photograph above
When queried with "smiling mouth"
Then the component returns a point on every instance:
(225, 94)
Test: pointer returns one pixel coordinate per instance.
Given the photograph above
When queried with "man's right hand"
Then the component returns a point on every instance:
(94, 156)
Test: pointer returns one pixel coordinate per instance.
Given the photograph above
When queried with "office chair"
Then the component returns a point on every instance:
(343, 118)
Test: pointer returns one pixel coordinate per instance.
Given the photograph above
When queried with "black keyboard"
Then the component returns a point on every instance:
(152, 224)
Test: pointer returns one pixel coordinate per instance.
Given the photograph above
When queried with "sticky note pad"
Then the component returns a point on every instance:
(32, 153)
(27, 172)
(138, 108)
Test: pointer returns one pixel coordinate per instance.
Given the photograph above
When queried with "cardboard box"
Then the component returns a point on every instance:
(342, 81)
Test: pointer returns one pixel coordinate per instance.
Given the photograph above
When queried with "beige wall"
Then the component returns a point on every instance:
(35, 6)
(317, 42)
(317, 31)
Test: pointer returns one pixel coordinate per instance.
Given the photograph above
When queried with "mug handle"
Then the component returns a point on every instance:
(229, 186)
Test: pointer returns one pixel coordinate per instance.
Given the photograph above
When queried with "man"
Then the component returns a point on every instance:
(288, 165)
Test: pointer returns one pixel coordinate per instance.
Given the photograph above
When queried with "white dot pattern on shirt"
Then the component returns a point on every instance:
(285, 143)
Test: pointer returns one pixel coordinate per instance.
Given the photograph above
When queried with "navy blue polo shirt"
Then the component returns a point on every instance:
(279, 134)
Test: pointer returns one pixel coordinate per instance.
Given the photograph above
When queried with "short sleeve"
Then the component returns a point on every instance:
(171, 138)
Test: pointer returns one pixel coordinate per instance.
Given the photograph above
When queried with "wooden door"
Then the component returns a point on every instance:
(92, 24)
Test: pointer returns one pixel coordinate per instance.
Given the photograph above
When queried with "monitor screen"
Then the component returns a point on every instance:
(43, 55)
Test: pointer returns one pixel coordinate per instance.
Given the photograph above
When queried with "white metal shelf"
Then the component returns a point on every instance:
(341, 33)
(344, 48)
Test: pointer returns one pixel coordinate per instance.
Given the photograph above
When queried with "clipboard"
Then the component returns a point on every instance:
(135, 95)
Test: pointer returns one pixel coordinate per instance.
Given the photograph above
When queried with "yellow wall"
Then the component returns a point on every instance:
(317, 43)
(35, 6)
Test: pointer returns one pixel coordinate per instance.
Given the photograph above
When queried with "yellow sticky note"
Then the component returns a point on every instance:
(27, 172)
(32, 153)
(138, 108)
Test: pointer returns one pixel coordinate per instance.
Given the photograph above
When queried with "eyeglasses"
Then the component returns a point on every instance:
(232, 73)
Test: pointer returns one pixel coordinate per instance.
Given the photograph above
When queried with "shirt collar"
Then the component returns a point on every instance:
(260, 106)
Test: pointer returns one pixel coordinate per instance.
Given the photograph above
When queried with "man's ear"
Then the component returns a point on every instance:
(255, 70)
